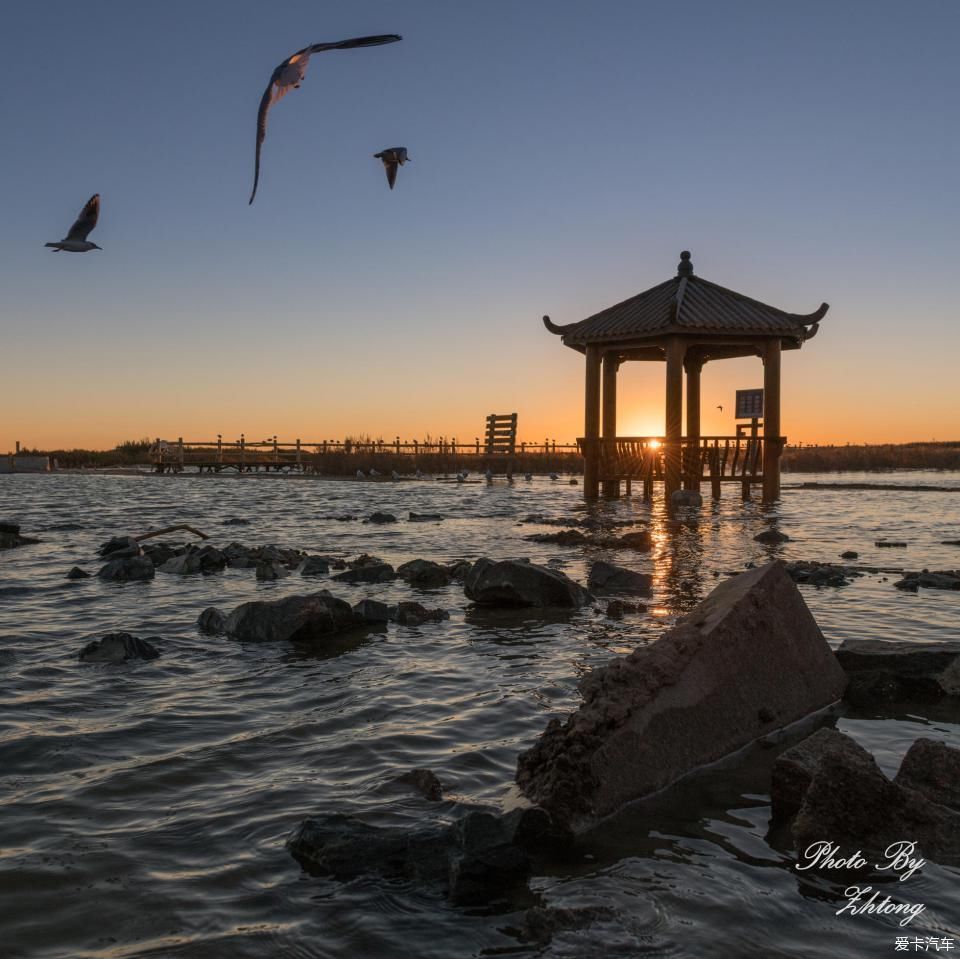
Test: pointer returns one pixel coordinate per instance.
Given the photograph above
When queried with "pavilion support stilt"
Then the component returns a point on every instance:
(771, 421)
(611, 361)
(591, 425)
(692, 470)
(675, 351)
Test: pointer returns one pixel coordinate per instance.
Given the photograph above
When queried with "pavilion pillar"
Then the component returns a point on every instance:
(693, 367)
(771, 421)
(591, 424)
(674, 420)
(611, 362)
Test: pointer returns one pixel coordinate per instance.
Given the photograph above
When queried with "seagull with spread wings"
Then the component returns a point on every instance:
(76, 240)
(392, 159)
(289, 75)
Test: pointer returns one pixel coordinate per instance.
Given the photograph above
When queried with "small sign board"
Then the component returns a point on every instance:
(749, 404)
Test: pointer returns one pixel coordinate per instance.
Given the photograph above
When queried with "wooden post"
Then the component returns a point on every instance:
(611, 362)
(674, 419)
(180, 451)
(771, 421)
(298, 451)
(219, 448)
(693, 366)
(591, 425)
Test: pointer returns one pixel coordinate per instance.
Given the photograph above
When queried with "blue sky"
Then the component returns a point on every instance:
(562, 155)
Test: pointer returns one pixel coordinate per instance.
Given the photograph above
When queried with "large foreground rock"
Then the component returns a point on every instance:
(519, 583)
(746, 661)
(295, 618)
(880, 670)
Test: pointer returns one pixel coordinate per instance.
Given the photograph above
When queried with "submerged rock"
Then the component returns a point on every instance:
(425, 517)
(794, 768)
(890, 544)
(423, 781)
(746, 661)
(520, 583)
(293, 618)
(11, 537)
(236, 521)
(617, 608)
(314, 565)
(933, 769)
(850, 554)
(117, 648)
(819, 574)
(382, 518)
(685, 497)
(946, 579)
(373, 573)
(212, 620)
(566, 537)
(413, 614)
(77, 573)
(424, 574)
(608, 577)
(771, 536)
(884, 670)
(128, 569)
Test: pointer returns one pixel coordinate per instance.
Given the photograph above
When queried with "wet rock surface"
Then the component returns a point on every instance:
(887, 671)
(747, 660)
(129, 569)
(932, 768)
(118, 648)
(424, 574)
(77, 573)
(520, 583)
(608, 577)
(293, 618)
(212, 620)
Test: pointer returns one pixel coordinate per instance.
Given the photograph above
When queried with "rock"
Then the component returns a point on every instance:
(293, 618)
(771, 536)
(850, 554)
(617, 608)
(236, 521)
(212, 620)
(851, 803)
(542, 923)
(314, 565)
(520, 583)
(459, 570)
(128, 569)
(268, 570)
(371, 611)
(382, 518)
(566, 537)
(424, 574)
(933, 769)
(117, 648)
(160, 553)
(819, 574)
(883, 671)
(378, 573)
(119, 547)
(11, 537)
(77, 573)
(365, 559)
(794, 768)
(608, 577)
(474, 860)
(685, 497)
(950, 542)
(423, 781)
(206, 559)
(748, 660)
(928, 580)
(890, 544)
(413, 614)
(640, 540)
(426, 517)
(11, 528)
(910, 584)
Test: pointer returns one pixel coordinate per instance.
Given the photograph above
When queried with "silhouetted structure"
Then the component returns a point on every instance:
(686, 321)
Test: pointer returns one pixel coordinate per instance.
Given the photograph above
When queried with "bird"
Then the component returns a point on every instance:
(418, 474)
(289, 75)
(720, 408)
(461, 477)
(360, 474)
(76, 240)
(528, 477)
(392, 159)
(394, 475)
(489, 475)
(554, 476)
(374, 471)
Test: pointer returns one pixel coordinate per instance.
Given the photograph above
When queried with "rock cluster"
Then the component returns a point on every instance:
(945, 579)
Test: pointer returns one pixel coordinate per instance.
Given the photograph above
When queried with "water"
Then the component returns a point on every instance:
(143, 808)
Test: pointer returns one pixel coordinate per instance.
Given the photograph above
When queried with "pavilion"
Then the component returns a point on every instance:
(685, 321)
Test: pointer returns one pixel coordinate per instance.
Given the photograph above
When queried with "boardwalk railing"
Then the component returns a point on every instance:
(719, 459)
(336, 456)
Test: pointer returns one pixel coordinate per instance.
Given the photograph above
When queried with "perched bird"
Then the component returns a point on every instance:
(373, 471)
(394, 475)
(289, 75)
(360, 474)
(461, 477)
(392, 159)
(489, 475)
(554, 476)
(418, 474)
(720, 408)
(76, 240)
(528, 476)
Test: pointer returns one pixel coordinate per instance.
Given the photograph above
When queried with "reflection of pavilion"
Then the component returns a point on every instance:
(686, 321)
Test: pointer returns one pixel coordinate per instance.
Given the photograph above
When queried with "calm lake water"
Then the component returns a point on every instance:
(144, 807)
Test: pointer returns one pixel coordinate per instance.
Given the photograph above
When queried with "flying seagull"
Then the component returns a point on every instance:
(393, 158)
(76, 240)
(720, 408)
(289, 75)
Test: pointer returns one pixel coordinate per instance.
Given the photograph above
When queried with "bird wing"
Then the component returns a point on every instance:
(376, 41)
(391, 169)
(87, 219)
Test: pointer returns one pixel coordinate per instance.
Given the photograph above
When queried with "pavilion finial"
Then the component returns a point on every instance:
(685, 266)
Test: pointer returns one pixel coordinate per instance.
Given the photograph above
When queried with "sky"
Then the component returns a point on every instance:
(562, 155)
